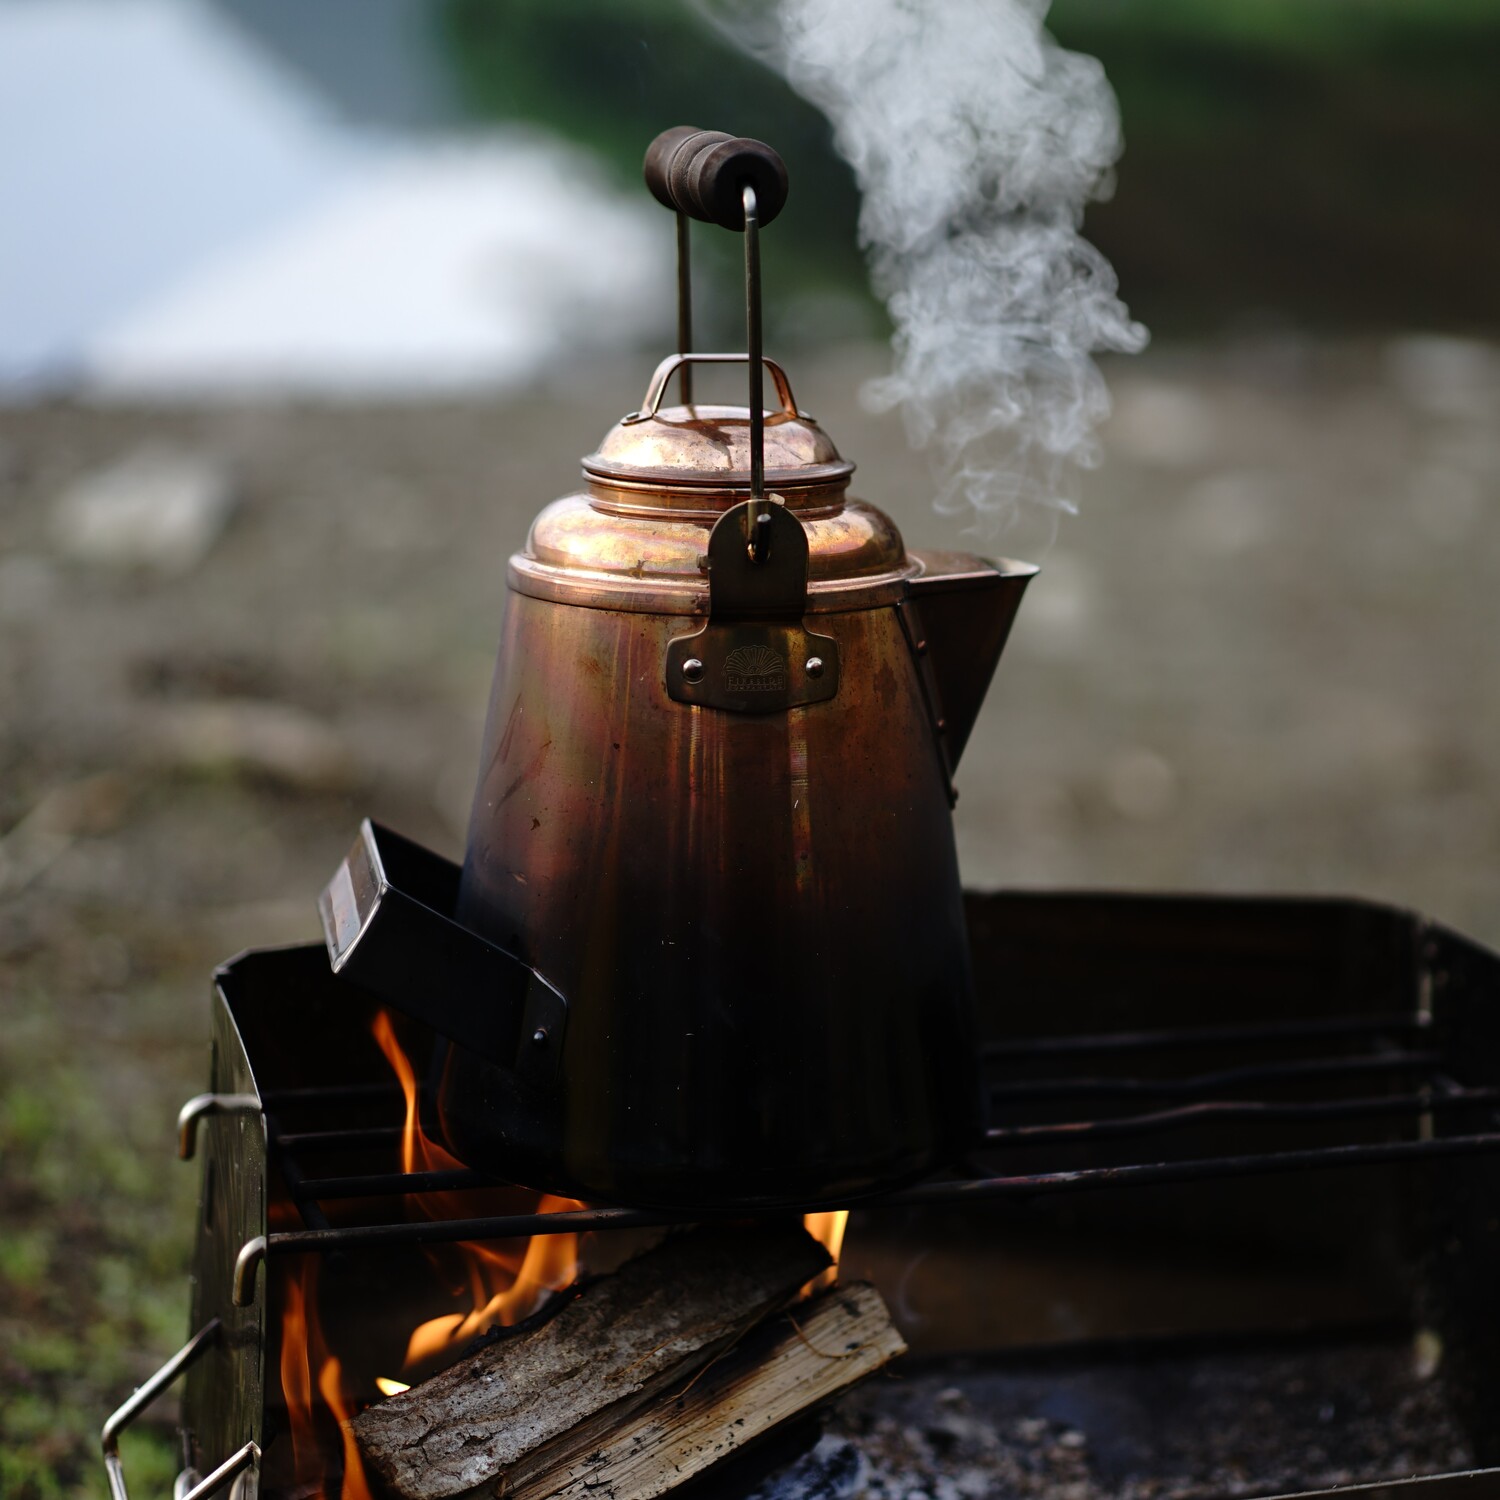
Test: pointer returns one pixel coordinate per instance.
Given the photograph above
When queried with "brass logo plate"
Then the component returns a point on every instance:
(752, 668)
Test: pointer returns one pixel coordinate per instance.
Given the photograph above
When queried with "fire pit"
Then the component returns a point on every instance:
(1239, 1158)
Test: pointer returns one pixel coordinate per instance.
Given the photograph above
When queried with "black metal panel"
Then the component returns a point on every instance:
(388, 922)
(1056, 962)
(1460, 1234)
(1081, 963)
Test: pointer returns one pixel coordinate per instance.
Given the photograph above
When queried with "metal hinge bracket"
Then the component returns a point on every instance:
(755, 654)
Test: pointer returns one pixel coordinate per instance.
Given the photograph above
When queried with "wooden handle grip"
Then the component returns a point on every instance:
(702, 173)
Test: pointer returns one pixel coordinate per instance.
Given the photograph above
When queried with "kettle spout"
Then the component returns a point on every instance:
(965, 607)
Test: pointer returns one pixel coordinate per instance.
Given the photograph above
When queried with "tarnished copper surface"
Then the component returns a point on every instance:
(637, 538)
(710, 446)
(582, 551)
(756, 921)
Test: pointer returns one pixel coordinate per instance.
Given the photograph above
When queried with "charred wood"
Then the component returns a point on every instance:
(789, 1366)
(530, 1404)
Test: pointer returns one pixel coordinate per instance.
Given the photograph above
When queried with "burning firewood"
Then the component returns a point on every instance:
(554, 1399)
(790, 1365)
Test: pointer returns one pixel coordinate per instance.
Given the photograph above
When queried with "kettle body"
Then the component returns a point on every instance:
(756, 923)
(752, 908)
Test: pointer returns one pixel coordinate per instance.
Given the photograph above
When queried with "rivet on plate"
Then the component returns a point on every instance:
(539, 1037)
(814, 666)
(692, 669)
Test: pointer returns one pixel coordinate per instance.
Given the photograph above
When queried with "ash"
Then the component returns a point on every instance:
(1152, 1428)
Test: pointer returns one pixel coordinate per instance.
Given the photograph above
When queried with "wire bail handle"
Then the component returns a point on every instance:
(739, 184)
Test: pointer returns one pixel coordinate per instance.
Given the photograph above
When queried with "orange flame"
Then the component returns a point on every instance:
(503, 1284)
(828, 1230)
(304, 1348)
(418, 1154)
(331, 1385)
(296, 1371)
(502, 1291)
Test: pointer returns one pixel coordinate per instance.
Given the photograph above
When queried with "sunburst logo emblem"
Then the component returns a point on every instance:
(755, 669)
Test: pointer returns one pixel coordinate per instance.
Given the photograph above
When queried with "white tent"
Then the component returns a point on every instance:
(182, 219)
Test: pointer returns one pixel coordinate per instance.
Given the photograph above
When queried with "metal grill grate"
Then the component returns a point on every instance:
(1035, 1092)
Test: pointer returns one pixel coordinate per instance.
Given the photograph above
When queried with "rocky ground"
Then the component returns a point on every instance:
(1263, 658)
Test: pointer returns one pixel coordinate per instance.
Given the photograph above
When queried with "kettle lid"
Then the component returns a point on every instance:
(637, 539)
(709, 446)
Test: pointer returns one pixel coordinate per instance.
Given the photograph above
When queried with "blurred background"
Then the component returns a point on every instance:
(306, 310)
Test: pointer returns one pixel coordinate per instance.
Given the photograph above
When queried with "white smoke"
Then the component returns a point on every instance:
(977, 141)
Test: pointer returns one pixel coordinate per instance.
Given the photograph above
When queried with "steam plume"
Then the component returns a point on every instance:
(976, 141)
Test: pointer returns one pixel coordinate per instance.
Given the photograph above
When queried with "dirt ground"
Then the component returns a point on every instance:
(1264, 658)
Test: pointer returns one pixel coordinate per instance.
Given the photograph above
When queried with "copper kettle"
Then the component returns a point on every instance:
(713, 814)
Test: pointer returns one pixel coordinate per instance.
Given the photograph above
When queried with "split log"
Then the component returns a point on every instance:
(790, 1366)
(538, 1400)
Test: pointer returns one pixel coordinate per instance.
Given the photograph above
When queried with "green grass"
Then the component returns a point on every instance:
(94, 1227)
